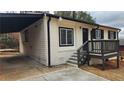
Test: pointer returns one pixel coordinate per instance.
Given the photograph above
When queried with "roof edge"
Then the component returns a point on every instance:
(52, 15)
(20, 15)
(95, 24)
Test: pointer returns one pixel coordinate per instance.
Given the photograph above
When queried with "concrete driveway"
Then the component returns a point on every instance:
(14, 66)
(70, 74)
(18, 67)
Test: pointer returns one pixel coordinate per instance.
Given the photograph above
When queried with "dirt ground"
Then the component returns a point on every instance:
(110, 72)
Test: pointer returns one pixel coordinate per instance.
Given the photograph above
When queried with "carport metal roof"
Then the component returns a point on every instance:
(16, 22)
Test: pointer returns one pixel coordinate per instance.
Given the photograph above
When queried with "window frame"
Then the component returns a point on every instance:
(64, 45)
(98, 35)
(113, 36)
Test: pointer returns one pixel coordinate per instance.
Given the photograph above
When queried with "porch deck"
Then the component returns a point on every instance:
(111, 72)
(101, 49)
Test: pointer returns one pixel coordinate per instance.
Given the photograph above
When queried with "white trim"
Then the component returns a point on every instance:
(66, 29)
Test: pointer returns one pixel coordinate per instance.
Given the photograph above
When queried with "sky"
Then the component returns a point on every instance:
(110, 18)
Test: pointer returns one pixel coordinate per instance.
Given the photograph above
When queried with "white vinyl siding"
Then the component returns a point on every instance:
(36, 47)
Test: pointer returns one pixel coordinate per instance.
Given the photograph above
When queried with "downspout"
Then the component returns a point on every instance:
(48, 35)
(118, 34)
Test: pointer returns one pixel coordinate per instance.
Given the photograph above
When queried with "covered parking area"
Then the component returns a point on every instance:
(16, 22)
(17, 65)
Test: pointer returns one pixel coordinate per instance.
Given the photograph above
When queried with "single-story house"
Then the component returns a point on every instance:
(52, 40)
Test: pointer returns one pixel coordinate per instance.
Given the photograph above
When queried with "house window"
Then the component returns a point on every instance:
(66, 36)
(26, 36)
(111, 35)
(97, 34)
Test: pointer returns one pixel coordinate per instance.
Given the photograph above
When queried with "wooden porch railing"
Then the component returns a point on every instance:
(103, 46)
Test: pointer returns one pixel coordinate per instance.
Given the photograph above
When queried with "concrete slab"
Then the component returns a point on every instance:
(18, 67)
(15, 66)
(71, 74)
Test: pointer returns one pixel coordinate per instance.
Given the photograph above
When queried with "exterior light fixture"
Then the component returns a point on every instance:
(45, 15)
(60, 18)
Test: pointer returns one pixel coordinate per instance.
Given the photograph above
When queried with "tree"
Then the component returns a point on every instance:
(79, 15)
(8, 41)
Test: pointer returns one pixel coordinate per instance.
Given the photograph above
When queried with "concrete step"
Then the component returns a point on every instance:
(75, 53)
(72, 58)
(84, 53)
(72, 63)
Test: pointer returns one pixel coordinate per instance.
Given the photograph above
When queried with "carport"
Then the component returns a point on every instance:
(16, 64)
(10, 22)
(16, 22)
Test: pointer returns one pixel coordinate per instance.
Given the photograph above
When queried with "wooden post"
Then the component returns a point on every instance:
(88, 59)
(91, 39)
(103, 63)
(118, 50)
(103, 59)
(118, 54)
(78, 57)
(118, 61)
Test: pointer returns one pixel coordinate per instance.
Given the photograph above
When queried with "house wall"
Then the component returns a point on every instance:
(106, 32)
(36, 47)
(60, 55)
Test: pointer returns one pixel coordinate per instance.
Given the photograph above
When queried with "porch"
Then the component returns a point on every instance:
(100, 49)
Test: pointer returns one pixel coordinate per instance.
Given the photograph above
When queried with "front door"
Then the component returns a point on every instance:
(85, 36)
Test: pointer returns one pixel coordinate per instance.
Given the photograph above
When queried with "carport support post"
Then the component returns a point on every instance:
(48, 33)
